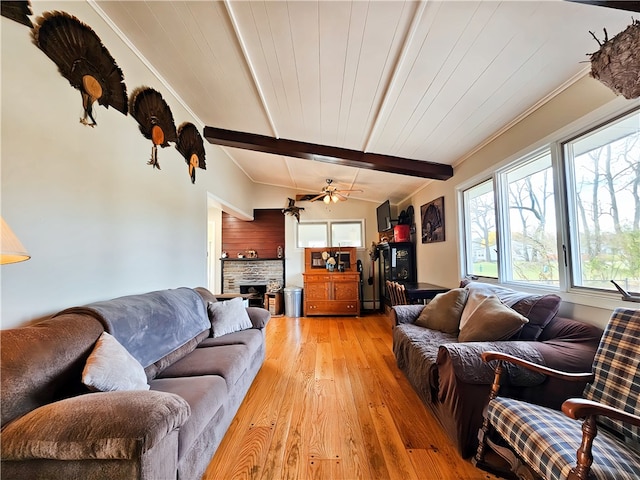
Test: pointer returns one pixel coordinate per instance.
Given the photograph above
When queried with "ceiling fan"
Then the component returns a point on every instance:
(329, 193)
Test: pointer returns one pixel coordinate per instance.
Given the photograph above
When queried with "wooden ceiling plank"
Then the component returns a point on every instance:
(328, 154)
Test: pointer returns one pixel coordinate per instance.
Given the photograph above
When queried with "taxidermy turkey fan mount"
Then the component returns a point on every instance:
(329, 193)
(191, 147)
(83, 60)
(17, 11)
(155, 119)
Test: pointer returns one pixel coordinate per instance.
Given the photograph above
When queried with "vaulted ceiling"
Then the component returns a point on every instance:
(431, 81)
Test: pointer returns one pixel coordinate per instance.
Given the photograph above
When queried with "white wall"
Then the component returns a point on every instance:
(97, 221)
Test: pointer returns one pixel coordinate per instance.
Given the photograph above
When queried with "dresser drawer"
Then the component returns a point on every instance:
(332, 308)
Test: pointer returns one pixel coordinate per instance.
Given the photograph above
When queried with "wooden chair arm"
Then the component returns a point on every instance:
(578, 408)
(571, 377)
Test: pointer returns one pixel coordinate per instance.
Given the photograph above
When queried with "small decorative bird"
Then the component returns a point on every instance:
(291, 209)
(155, 119)
(83, 60)
(191, 147)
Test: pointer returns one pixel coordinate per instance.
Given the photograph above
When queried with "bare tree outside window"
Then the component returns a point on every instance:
(604, 167)
(482, 254)
(532, 225)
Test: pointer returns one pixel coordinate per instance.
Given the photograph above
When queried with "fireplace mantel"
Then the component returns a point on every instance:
(244, 259)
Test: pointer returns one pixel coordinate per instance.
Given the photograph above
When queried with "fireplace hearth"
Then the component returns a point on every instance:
(256, 292)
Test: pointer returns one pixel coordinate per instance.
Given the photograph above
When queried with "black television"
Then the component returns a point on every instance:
(383, 213)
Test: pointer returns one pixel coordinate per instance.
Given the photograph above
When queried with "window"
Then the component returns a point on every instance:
(480, 230)
(343, 233)
(346, 234)
(566, 216)
(530, 230)
(603, 176)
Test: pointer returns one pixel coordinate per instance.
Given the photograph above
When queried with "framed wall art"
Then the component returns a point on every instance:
(432, 217)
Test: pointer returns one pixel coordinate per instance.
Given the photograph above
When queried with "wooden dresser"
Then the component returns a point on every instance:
(331, 293)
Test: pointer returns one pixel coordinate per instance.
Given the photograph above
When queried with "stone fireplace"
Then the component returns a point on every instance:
(242, 273)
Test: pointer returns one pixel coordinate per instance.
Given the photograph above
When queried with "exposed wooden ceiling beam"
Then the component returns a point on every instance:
(327, 154)
(629, 5)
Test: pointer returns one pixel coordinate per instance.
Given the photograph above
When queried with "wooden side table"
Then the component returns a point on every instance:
(273, 302)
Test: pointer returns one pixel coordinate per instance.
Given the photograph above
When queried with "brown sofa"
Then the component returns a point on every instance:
(451, 378)
(54, 427)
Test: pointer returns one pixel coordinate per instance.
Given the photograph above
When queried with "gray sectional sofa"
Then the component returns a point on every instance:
(54, 427)
(451, 378)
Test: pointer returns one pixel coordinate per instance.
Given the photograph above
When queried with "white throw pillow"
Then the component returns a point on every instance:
(111, 367)
(228, 316)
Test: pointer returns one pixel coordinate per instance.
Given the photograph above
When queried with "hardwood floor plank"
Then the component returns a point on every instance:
(249, 459)
(330, 403)
(393, 449)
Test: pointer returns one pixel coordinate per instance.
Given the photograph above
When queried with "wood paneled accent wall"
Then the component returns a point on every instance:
(264, 234)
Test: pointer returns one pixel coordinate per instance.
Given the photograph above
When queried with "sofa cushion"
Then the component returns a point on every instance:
(486, 318)
(206, 395)
(156, 367)
(444, 311)
(538, 309)
(228, 317)
(252, 338)
(111, 368)
(227, 361)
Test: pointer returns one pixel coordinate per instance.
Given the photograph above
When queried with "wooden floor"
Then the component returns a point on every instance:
(330, 403)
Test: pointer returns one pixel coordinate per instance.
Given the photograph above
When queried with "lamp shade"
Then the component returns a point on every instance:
(11, 250)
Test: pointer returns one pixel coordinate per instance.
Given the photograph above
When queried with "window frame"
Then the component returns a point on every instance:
(329, 231)
(554, 143)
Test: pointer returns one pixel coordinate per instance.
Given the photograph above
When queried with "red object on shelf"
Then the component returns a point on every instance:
(401, 233)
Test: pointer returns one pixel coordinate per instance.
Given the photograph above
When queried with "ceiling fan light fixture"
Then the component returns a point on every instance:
(327, 199)
(334, 198)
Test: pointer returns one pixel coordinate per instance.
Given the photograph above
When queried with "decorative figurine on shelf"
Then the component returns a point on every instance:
(224, 254)
(331, 264)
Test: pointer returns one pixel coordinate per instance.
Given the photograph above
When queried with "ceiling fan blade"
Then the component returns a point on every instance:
(340, 196)
(318, 197)
(347, 191)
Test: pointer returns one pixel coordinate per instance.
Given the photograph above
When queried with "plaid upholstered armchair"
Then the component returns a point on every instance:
(594, 437)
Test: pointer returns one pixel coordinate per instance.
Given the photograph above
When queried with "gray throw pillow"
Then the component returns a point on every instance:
(110, 367)
(444, 311)
(228, 317)
(485, 319)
